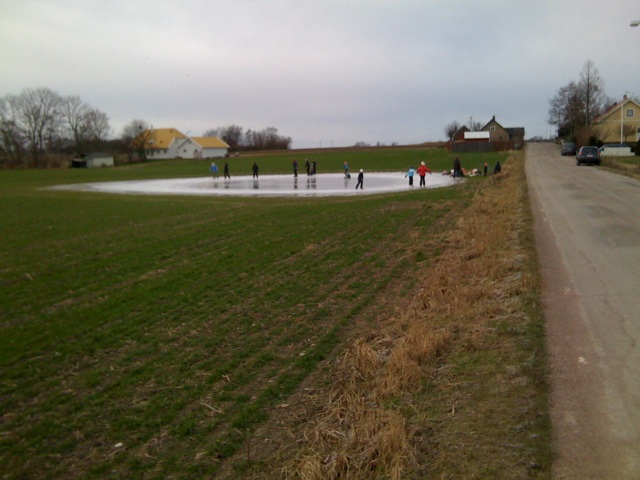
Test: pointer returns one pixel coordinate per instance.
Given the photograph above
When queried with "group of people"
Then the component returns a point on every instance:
(421, 171)
(311, 170)
(309, 167)
(458, 171)
(214, 170)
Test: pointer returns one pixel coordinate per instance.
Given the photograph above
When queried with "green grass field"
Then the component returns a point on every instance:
(146, 335)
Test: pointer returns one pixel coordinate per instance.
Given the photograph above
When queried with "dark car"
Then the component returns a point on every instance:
(568, 148)
(588, 155)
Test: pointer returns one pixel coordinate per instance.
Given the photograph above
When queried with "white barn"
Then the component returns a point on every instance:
(211, 147)
(166, 143)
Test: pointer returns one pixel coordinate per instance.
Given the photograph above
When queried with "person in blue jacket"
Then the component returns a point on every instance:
(410, 174)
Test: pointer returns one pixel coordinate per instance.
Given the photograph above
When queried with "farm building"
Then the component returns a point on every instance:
(165, 143)
(92, 160)
(492, 137)
(211, 147)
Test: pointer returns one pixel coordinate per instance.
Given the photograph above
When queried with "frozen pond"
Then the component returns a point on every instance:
(331, 184)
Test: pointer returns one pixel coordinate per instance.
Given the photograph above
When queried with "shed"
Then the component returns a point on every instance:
(94, 160)
(477, 136)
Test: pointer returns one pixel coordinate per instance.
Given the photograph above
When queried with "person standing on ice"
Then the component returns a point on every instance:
(410, 174)
(422, 171)
(457, 168)
(256, 169)
(360, 179)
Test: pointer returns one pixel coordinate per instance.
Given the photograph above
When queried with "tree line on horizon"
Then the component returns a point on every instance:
(38, 122)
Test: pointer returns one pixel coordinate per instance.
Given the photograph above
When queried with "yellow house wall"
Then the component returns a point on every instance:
(608, 129)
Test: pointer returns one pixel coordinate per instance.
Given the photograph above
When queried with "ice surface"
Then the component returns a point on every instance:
(322, 185)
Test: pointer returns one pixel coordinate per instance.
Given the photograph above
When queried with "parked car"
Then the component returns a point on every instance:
(588, 155)
(568, 148)
(615, 150)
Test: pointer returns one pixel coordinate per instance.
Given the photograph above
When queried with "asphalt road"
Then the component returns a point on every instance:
(587, 223)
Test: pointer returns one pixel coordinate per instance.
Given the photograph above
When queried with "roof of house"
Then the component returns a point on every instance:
(462, 129)
(159, 138)
(493, 120)
(515, 131)
(613, 108)
(210, 142)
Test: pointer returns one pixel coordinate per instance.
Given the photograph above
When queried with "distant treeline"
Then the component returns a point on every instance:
(237, 139)
(40, 121)
(39, 124)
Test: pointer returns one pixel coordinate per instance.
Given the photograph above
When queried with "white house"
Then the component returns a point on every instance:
(211, 147)
(165, 143)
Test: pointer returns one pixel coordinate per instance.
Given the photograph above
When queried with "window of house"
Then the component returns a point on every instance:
(492, 128)
(629, 112)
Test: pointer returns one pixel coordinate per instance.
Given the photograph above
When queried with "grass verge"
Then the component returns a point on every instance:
(629, 166)
(447, 383)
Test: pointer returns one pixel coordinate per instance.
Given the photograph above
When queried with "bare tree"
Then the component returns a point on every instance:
(39, 119)
(212, 132)
(591, 87)
(566, 109)
(12, 140)
(451, 129)
(231, 134)
(97, 125)
(74, 111)
(135, 134)
(474, 125)
(577, 104)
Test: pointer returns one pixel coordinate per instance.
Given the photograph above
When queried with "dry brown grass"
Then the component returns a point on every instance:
(382, 400)
(628, 169)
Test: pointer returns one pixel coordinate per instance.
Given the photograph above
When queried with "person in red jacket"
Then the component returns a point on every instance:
(422, 171)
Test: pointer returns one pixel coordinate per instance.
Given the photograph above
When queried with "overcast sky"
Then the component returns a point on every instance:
(323, 72)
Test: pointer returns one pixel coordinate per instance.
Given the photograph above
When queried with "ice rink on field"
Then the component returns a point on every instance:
(322, 185)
